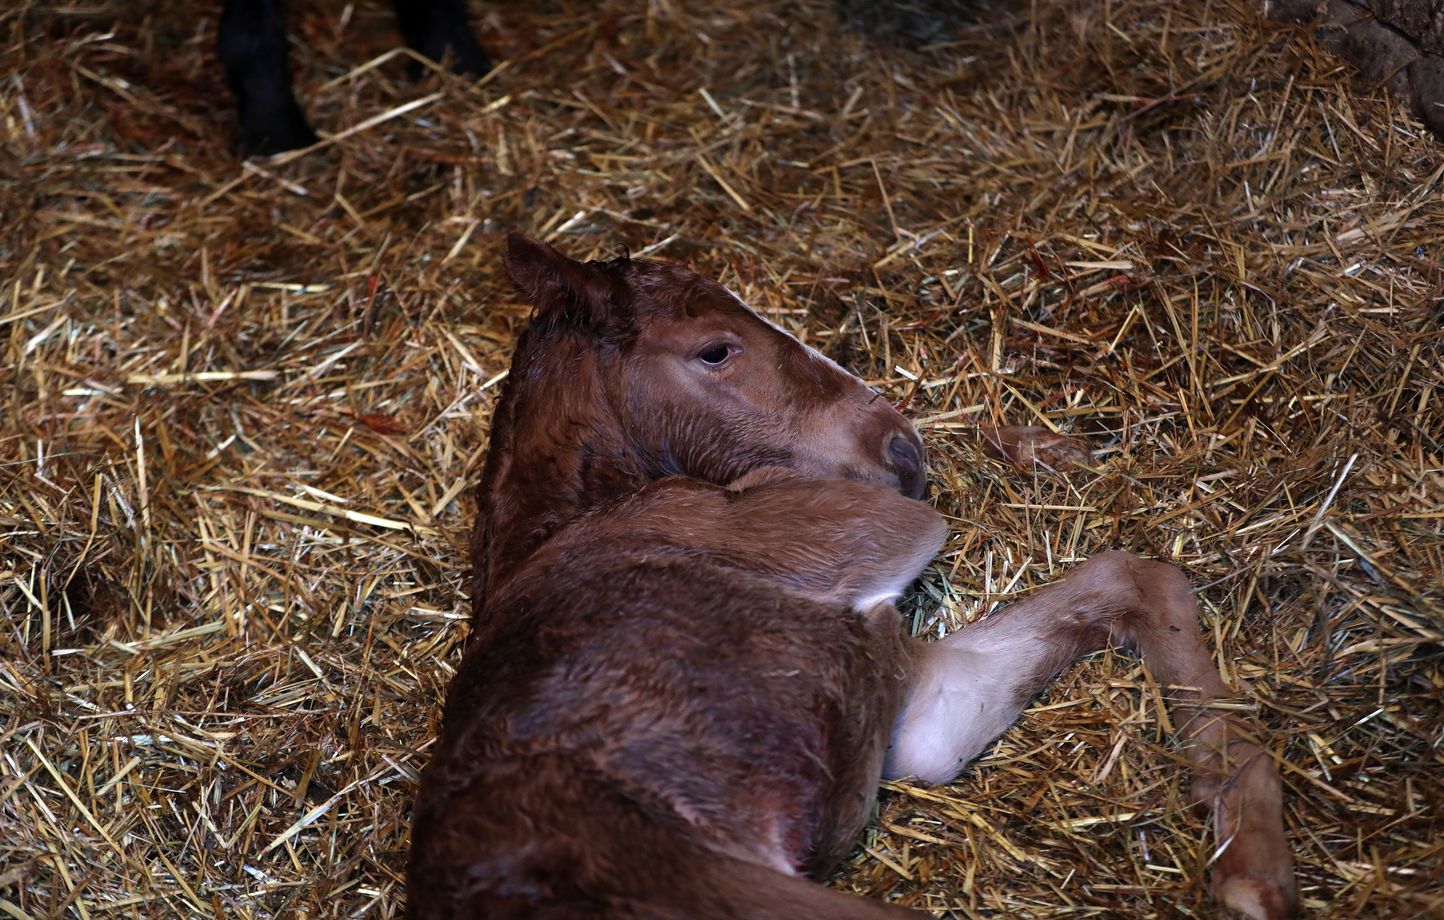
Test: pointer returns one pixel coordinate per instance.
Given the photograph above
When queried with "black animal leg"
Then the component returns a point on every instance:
(434, 27)
(252, 48)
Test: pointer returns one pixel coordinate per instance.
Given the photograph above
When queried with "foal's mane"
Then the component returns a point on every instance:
(594, 306)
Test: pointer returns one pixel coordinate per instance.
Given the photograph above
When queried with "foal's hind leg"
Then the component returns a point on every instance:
(252, 47)
(1025, 446)
(972, 685)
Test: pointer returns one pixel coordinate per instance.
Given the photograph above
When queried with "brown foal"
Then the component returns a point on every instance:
(687, 676)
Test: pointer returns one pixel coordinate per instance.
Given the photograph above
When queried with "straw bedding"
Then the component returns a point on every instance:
(1393, 43)
(242, 405)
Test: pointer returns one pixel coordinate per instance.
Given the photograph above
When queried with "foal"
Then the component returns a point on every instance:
(688, 676)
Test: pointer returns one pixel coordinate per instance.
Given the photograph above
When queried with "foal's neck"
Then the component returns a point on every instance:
(557, 450)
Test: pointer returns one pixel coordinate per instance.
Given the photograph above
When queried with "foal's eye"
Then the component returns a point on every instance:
(715, 355)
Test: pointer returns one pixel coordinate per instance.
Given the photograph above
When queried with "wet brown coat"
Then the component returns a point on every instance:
(674, 705)
(688, 676)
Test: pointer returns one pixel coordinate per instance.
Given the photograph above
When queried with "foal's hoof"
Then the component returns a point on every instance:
(1253, 875)
(1245, 897)
(1026, 447)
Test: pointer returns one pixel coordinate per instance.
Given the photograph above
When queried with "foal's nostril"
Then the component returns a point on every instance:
(907, 462)
(905, 454)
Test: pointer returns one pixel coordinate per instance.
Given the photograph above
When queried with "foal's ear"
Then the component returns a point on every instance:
(561, 288)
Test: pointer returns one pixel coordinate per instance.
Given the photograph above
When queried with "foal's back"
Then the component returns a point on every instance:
(669, 721)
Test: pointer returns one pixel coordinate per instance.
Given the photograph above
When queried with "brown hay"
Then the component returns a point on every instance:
(241, 406)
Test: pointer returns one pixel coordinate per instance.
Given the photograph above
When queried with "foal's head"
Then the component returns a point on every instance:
(632, 370)
(695, 382)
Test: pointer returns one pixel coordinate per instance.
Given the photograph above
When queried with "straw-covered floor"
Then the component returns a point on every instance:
(242, 405)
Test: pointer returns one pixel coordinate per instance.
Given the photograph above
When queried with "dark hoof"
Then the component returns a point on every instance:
(282, 131)
(470, 60)
(438, 28)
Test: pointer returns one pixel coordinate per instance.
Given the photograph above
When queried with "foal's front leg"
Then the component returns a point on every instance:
(854, 543)
(969, 687)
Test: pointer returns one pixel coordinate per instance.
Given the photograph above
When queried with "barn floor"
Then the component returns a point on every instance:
(240, 406)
